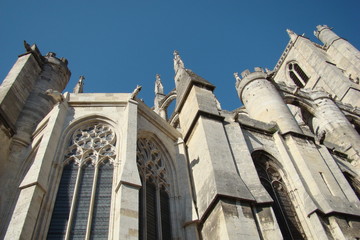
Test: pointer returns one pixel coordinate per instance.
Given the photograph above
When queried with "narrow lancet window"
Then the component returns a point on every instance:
(154, 204)
(284, 210)
(82, 206)
(297, 74)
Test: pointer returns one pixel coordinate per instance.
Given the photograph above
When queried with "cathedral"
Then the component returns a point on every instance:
(284, 165)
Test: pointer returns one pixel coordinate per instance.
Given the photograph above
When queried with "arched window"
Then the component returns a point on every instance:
(154, 207)
(283, 208)
(82, 205)
(297, 74)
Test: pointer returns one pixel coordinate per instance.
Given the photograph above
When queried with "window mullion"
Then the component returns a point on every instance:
(158, 212)
(300, 78)
(286, 220)
(91, 206)
(73, 203)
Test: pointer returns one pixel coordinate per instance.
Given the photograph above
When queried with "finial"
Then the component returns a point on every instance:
(81, 79)
(79, 87)
(178, 63)
(27, 46)
(292, 34)
(158, 85)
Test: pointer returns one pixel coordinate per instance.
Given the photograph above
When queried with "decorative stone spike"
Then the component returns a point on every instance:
(178, 63)
(292, 34)
(236, 75)
(159, 89)
(79, 85)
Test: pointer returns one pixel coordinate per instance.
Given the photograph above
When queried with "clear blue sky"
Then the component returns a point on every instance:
(119, 44)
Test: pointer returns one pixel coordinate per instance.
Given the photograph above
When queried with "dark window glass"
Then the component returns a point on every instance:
(88, 145)
(154, 204)
(78, 229)
(297, 75)
(165, 215)
(101, 212)
(301, 73)
(296, 79)
(283, 208)
(60, 217)
(151, 218)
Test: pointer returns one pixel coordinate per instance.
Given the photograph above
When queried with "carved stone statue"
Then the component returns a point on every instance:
(56, 95)
(320, 137)
(135, 92)
(236, 75)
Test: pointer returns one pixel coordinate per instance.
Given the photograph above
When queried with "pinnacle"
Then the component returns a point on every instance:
(292, 34)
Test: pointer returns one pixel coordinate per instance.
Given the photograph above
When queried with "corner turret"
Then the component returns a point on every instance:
(263, 101)
(326, 35)
(344, 55)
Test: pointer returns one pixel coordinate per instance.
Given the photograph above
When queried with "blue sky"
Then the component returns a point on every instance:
(119, 44)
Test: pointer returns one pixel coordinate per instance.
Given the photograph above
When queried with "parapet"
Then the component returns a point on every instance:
(319, 28)
(51, 57)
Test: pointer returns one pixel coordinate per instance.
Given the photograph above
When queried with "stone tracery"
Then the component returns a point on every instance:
(85, 185)
(94, 142)
(150, 164)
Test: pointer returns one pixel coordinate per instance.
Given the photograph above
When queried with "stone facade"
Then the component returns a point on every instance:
(285, 165)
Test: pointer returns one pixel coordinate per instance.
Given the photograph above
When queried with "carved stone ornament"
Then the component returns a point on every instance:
(150, 163)
(94, 142)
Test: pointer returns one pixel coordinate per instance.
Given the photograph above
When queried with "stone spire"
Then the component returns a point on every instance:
(159, 89)
(292, 34)
(79, 87)
(178, 63)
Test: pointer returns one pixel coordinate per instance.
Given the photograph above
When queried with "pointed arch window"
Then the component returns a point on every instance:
(297, 74)
(284, 210)
(154, 204)
(82, 205)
